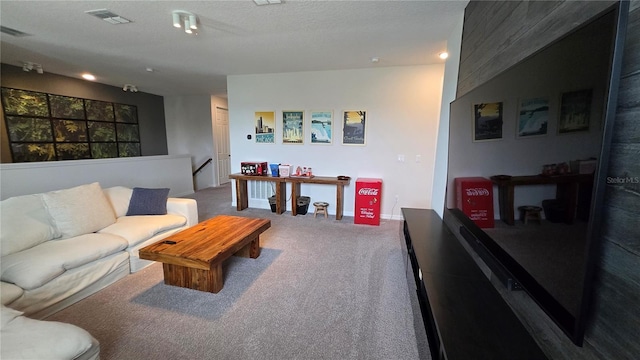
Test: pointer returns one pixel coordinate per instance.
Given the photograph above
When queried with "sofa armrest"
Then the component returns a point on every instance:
(185, 207)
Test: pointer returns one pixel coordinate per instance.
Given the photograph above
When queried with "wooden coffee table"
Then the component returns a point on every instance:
(193, 258)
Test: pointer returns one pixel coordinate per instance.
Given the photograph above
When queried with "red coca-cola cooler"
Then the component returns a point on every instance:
(474, 196)
(368, 195)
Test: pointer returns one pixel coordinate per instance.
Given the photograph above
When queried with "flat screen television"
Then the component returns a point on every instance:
(555, 107)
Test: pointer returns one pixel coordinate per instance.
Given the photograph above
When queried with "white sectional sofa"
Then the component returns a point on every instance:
(61, 246)
(25, 338)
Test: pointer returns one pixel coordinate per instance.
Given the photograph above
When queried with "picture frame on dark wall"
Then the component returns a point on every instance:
(354, 127)
(321, 127)
(265, 127)
(293, 127)
(533, 117)
(487, 121)
(575, 111)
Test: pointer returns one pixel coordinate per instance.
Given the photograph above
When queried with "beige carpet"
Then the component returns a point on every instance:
(321, 289)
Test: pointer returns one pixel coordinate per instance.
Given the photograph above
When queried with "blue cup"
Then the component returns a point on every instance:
(274, 170)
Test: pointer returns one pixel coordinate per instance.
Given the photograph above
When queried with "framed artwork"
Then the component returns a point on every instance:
(293, 127)
(321, 127)
(575, 111)
(50, 127)
(354, 127)
(265, 127)
(487, 121)
(533, 117)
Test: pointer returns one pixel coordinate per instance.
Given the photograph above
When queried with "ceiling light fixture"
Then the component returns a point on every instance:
(28, 66)
(443, 55)
(88, 77)
(130, 88)
(185, 20)
(176, 20)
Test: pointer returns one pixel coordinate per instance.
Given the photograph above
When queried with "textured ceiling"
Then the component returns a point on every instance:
(234, 37)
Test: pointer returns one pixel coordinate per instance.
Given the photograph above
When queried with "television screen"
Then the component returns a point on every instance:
(535, 134)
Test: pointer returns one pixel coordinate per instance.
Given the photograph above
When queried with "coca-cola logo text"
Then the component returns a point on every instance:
(477, 192)
(368, 191)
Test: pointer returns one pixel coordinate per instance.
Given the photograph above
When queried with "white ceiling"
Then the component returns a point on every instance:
(235, 37)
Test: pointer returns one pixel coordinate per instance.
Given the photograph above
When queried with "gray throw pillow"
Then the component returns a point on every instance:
(148, 201)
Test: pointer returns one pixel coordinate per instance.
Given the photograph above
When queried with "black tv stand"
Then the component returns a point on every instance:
(464, 315)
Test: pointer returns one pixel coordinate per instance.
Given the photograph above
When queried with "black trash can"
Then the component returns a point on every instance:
(553, 210)
(272, 203)
(303, 205)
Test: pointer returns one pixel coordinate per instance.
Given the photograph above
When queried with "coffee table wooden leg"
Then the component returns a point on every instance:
(251, 250)
(197, 279)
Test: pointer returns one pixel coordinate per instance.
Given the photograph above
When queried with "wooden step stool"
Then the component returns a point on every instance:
(321, 207)
(529, 212)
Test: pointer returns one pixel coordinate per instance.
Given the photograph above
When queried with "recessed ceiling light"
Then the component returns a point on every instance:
(443, 55)
(375, 59)
(88, 77)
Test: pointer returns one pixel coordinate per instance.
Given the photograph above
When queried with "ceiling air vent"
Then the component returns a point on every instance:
(12, 32)
(108, 16)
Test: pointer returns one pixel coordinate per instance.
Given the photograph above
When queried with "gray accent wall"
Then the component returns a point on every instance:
(497, 35)
(153, 135)
(614, 330)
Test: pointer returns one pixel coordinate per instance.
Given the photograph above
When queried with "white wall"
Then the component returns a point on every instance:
(146, 171)
(189, 121)
(448, 95)
(403, 108)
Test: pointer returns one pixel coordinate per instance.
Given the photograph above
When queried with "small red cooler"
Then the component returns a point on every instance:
(474, 196)
(368, 195)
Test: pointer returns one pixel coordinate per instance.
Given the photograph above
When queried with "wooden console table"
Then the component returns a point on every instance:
(242, 197)
(567, 187)
(281, 198)
(295, 191)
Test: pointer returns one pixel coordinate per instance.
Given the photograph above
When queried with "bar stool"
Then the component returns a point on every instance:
(529, 212)
(321, 208)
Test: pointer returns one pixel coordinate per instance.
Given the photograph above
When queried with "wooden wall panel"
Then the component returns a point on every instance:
(617, 292)
(497, 35)
(501, 33)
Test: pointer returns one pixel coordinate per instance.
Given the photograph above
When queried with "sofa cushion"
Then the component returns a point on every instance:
(9, 292)
(25, 338)
(119, 197)
(136, 229)
(79, 210)
(148, 201)
(25, 223)
(7, 315)
(38, 265)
